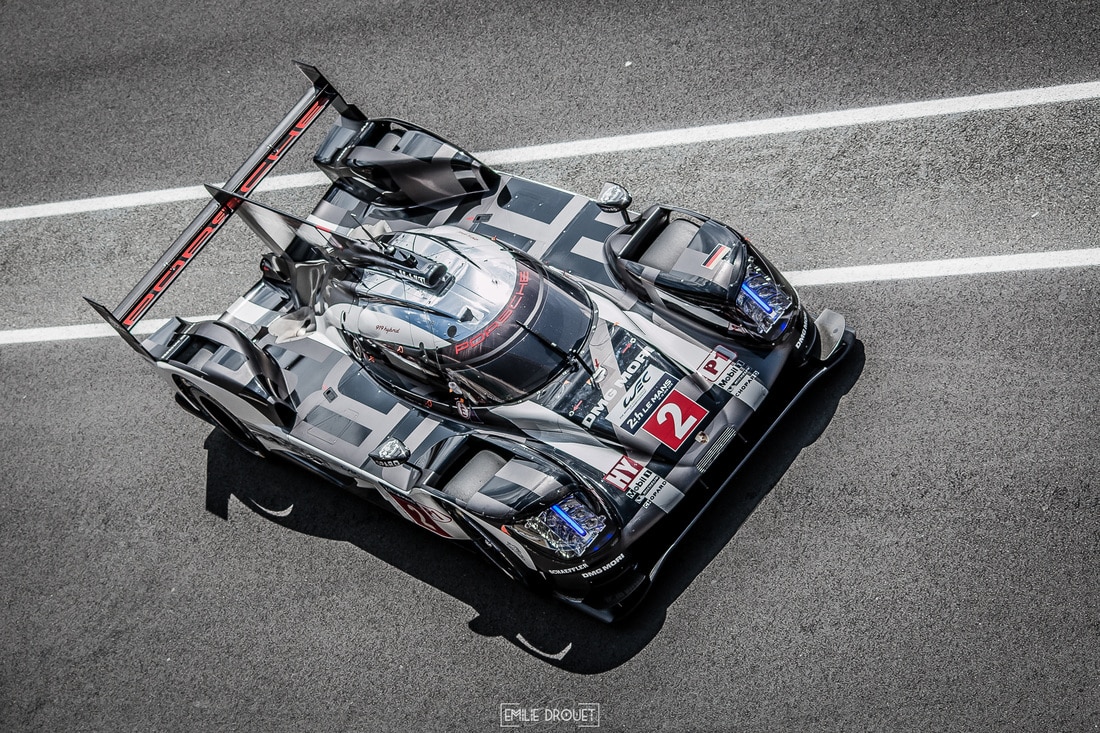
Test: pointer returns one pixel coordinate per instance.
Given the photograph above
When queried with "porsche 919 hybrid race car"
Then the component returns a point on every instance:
(554, 380)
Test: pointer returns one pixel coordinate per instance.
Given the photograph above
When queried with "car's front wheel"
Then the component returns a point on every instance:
(499, 555)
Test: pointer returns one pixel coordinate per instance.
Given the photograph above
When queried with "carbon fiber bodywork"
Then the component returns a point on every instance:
(560, 383)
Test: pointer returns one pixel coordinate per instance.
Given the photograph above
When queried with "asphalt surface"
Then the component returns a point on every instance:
(916, 550)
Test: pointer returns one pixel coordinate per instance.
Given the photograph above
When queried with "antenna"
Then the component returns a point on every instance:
(385, 250)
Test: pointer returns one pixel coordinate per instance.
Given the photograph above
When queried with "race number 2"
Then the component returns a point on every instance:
(675, 419)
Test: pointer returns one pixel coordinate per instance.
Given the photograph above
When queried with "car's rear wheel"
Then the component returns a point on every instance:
(222, 418)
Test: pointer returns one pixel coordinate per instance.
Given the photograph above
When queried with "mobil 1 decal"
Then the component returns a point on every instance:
(726, 371)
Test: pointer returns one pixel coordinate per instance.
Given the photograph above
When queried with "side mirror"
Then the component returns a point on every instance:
(614, 198)
(391, 453)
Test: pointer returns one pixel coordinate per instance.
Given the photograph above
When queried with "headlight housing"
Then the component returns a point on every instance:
(570, 527)
(760, 298)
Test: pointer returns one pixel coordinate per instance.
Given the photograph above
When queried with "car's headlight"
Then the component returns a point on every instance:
(568, 527)
(760, 298)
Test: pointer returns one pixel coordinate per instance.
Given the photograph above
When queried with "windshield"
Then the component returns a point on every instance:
(493, 328)
(532, 340)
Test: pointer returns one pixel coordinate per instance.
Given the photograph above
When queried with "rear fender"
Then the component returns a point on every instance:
(250, 384)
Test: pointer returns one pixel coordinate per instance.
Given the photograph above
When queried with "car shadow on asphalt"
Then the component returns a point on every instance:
(541, 627)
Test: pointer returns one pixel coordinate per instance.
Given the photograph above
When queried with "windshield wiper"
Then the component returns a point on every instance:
(570, 357)
(443, 242)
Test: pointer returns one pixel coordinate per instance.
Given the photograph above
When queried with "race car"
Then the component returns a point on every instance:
(558, 382)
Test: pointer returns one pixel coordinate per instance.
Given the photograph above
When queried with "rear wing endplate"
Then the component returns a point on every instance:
(202, 229)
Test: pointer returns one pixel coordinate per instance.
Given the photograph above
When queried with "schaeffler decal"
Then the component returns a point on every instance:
(676, 418)
(731, 374)
(635, 480)
(567, 571)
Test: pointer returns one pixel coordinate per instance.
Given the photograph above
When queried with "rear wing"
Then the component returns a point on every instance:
(214, 215)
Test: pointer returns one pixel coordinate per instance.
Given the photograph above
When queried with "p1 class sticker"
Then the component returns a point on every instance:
(724, 369)
(715, 366)
(675, 420)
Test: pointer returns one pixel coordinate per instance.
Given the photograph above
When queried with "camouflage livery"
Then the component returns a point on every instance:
(551, 378)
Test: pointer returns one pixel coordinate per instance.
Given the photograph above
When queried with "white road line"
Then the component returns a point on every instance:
(800, 123)
(798, 278)
(84, 331)
(621, 143)
(148, 198)
(945, 268)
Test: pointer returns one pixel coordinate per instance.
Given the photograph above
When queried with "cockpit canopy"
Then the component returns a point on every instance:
(490, 326)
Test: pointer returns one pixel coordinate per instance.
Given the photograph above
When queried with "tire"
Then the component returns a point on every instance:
(498, 555)
(221, 418)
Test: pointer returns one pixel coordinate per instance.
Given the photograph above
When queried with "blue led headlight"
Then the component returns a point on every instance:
(761, 299)
(568, 527)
